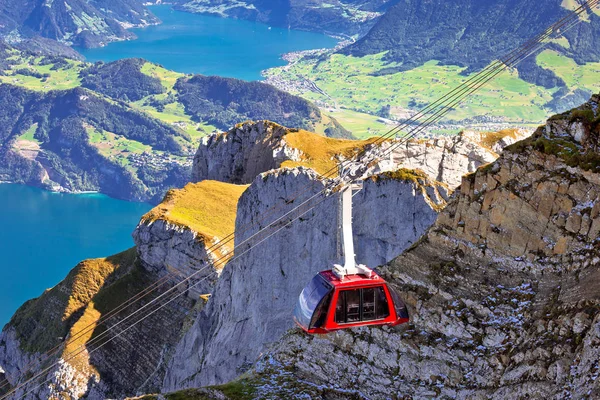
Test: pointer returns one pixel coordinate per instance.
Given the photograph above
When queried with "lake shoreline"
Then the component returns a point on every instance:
(46, 234)
(210, 45)
(74, 192)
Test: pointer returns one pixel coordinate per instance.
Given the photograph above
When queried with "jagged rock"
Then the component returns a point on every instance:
(251, 148)
(166, 248)
(239, 155)
(234, 329)
(447, 159)
(501, 290)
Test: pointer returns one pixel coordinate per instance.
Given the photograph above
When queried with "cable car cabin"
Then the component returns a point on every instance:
(329, 303)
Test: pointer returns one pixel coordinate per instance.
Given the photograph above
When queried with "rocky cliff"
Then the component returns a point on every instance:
(188, 344)
(232, 331)
(501, 289)
(251, 148)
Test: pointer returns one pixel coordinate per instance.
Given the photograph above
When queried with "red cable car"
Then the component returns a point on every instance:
(329, 303)
(348, 296)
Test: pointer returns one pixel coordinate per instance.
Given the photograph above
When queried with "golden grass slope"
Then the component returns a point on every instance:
(207, 208)
(321, 153)
(46, 321)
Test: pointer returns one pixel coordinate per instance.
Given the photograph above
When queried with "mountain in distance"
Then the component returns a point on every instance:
(420, 50)
(128, 128)
(473, 33)
(82, 23)
(338, 17)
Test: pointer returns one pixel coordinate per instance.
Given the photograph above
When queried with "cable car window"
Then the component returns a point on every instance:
(318, 318)
(310, 298)
(375, 305)
(357, 305)
(347, 308)
(352, 305)
(368, 306)
(382, 309)
(401, 311)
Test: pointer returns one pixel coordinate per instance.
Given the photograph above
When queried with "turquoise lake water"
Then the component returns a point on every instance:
(44, 235)
(209, 45)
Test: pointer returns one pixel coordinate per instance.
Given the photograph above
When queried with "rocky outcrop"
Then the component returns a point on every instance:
(56, 337)
(447, 159)
(242, 153)
(251, 148)
(165, 248)
(188, 237)
(501, 290)
(233, 330)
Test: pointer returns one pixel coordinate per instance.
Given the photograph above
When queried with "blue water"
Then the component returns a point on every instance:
(44, 235)
(194, 43)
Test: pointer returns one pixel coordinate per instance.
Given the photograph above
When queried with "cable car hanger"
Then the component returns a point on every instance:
(348, 295)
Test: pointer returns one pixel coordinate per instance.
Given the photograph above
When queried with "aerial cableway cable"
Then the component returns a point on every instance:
(438, 109)
(129, 302)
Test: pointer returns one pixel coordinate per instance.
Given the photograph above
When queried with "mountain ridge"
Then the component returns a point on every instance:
(170, 246)
(149, 100)
(79, 23)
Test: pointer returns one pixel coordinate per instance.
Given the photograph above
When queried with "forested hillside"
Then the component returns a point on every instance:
(82, 23)
(127, 128)
(75, 140)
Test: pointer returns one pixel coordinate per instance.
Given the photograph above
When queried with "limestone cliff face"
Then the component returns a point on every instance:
(251, 148)
(447, 159)
(165, 248)
(252, 303)
(502, 290)
(240, 154)
(187, 235)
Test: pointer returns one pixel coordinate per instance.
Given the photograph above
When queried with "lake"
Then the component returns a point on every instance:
(209, 45)
(44, 235)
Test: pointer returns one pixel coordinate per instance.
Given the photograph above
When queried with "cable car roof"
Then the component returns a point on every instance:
(352, 280)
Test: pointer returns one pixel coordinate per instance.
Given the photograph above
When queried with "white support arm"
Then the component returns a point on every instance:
(350, 267)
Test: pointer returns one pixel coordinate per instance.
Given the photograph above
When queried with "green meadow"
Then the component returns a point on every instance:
(353, 87)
